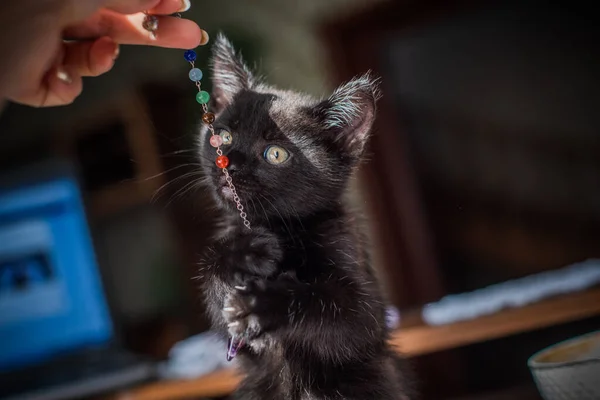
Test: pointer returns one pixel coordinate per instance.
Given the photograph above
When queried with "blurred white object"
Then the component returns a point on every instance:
(392, 317)
(195, 356)
(513, 293)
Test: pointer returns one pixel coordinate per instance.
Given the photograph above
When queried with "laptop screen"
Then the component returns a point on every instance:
(51, 296)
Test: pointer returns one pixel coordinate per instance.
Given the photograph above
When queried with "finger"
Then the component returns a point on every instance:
(91, 58)
(131, 6)
(63, 86)
(172, 32)
(166, 7)
(159, 7)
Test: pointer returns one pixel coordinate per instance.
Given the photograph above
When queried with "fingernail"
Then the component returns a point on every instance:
(106, 45)
(185, 5)
(205, 38)
(63, 76)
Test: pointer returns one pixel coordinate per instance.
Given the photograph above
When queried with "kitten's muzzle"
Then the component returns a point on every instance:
(223, 188)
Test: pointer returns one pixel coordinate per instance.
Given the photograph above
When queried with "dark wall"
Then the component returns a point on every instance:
(500, 105)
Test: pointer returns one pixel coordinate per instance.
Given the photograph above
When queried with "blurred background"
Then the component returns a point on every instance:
(483, 169)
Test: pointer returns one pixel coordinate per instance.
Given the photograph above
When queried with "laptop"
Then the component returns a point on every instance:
(57, 338)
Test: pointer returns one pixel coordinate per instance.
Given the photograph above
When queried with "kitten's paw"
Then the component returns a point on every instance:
(240, 311)
(263, 254)
(251, 254)
(257, 306)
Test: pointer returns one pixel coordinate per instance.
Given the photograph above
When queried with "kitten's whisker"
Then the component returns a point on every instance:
(184, 156)
(264, 211)
(182, 191)
(210, 160)
(282, 220)
(167, 171)
(186, 175)
(298, 217)
(287, 217)
(185, 153)
(253, 205)
(178, 152)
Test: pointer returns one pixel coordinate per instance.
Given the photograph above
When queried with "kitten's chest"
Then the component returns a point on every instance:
(314, 257)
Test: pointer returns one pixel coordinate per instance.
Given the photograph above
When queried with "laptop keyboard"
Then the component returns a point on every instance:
(73, 368)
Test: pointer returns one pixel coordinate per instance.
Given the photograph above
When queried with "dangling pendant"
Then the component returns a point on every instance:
(150, 24)
(233, 347)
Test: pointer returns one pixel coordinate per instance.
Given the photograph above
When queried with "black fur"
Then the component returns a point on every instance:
(306, 302)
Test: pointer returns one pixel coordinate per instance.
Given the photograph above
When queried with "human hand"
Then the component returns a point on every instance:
(61, 41)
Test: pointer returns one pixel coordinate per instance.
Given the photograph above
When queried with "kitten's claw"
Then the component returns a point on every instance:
(239, 316)
(241, 288)
(234, 346)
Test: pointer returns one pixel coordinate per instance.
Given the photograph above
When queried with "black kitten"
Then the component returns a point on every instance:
(298, 287)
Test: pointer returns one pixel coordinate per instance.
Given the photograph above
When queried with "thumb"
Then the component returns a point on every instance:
(60, 85)
(64, 85)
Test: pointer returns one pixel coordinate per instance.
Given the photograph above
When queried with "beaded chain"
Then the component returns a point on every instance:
(216, 140)
(150, 24)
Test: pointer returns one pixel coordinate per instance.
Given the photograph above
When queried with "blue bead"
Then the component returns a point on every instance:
(190, 55)
(195, 74)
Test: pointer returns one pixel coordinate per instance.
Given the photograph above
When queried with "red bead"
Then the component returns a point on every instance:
(222, 162)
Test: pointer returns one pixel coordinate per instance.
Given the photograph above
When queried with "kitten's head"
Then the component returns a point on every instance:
(290, 154)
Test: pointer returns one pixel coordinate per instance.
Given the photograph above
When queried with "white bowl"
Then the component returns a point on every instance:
(569, 370)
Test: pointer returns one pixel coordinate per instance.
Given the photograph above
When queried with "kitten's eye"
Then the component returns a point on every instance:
(276, 155)
(226, 136)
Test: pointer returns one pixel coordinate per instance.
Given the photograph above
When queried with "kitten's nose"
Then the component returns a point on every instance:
(236, 160)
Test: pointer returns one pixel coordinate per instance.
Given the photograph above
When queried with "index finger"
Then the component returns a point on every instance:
(127, 29)
(160, 7)
(130, 6)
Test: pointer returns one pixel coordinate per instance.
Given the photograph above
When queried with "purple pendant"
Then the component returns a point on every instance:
(234, 346)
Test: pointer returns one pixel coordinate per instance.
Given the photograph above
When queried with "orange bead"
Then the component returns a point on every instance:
(222, 162)
(208, 118)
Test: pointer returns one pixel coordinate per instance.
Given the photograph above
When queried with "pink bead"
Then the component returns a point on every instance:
(216, 141)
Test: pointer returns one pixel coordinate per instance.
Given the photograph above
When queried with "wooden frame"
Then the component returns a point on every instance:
(407, 246)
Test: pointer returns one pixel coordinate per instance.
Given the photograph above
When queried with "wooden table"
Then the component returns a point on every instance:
(220, 383)
(413, 339)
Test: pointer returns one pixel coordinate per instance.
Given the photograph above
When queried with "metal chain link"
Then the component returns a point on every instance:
(228, 178)
(236, 199)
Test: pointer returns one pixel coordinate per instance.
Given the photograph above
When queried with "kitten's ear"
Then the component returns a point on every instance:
(230, 73)
(349, 113)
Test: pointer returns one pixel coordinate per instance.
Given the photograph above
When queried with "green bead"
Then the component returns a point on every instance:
(202, 97)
